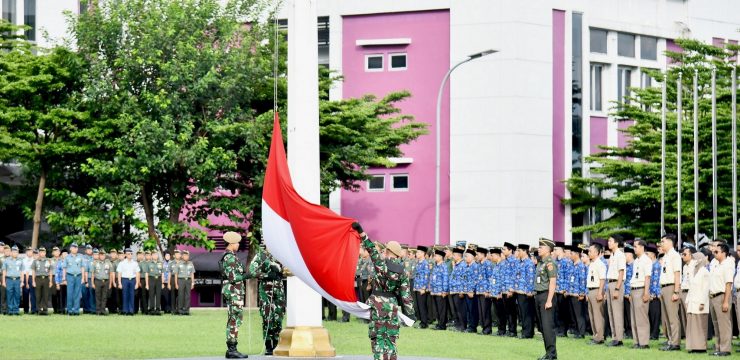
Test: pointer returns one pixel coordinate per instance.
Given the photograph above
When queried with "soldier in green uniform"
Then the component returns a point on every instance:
(42, 273)
(544, 287)
(114, 294)
(233, 289)
(3, 301)
(184, 283)
(153, 283)
(390, 281)
(270, 296)
(171, 284)
(102, 273)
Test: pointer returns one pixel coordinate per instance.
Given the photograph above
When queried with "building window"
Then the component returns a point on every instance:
(9, 11)
(596, 86)
(400, 182)
(374, 62)
(29, 18)
(598, 41)
(376, 183)
(624, 82)
(648, 48)
(645, 80)
(398, 62)
(626, 45)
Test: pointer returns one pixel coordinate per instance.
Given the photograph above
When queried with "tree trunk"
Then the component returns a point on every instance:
(149, 213)
(38, 209)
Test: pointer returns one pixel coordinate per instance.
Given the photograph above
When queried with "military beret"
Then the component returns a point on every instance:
(232, 237)
(6, 247)
(15, 248)
(88, 247)
(56, 248)
(176, 251)
(73, 245)
(186, 252)
(509, 246)
(439, 252)
(42, 249)
(496, 251)
(113, 251)
(482, 250)
(101, 251)
(524, 247)
(147, 252)
(404, 247)
(422, 248)
(549, 243)
(128, 251)
(458, 250)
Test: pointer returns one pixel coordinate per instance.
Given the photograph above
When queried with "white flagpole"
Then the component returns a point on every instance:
(734, 157)
(696, 155)
(662, 157)
(679, 152)
(714, 153)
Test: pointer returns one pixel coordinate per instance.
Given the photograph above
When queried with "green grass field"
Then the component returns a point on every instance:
(202, 334)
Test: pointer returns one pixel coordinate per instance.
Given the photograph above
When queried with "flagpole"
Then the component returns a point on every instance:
(696, 155)
(679, 152)
(734, 157)
(662, 156)
(714, 153)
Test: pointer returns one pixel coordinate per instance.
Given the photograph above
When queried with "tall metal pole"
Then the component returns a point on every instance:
(438, 138)
(714, 154)
(734, 157)
(679, 152)
(696, 155)
(662, 156)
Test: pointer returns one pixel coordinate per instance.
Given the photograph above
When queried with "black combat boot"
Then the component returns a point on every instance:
(269, 347)
(232, 353)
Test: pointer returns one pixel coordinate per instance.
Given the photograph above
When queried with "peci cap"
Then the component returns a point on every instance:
(422, 248)
(470, 251)
(482, 250)
(458, 250)
(232, 237)
(560, 244)
(509, 246)
(652, 248)
(496, 251)
(439, 252)
(524, 247)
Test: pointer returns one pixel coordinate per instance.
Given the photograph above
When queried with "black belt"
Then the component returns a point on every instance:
(13, 277)
(715, 295)
(638, 288)
(612, 280)
(666, 285)
(42, 276)
(541, 291)
(684, 290)
(384, 294)
(74, 274)
(130, 278)
(154, 276)
(593, 288)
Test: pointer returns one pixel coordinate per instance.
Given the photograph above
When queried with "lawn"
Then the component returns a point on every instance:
(202, 334)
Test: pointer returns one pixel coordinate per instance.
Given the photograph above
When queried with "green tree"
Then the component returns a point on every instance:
(626, 181)
(41, 123)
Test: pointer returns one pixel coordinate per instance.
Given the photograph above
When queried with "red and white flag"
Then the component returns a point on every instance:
(317, 245)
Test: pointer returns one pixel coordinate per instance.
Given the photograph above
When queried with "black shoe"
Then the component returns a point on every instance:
(511, 334)
(721, 353)
(423, 326)
(578, 336)
(232, 353)
(500, 333)
(470, 331)
(269, 347)
(697, 351)
(548, 357)
(486, 332)
(614, 343)
(670, 348)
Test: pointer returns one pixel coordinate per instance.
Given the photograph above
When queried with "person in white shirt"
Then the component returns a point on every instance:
(720, 286)
(595, 284)
(615, 299)
(687, 271)
(640, 285)
(697, 304)
(128, 276)
(670, 289)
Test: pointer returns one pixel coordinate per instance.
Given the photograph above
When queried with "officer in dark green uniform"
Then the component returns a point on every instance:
(544, 287)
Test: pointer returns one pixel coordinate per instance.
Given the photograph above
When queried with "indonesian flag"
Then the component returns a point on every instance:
(317, 245)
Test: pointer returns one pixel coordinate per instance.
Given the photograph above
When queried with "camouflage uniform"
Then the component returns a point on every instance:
(271, 296)
(233, 289)
(389, 279)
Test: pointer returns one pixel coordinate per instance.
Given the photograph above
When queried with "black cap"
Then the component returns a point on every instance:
(439, 252)
(629, 250)
(524, 247)
(458, 250)
(470, 251)
(509, 246)
(560, 244)
(652, 248)
(496, 251)
(422, 248)
(482, 250)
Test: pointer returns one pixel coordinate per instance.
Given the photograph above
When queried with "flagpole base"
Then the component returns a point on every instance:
(305, 341)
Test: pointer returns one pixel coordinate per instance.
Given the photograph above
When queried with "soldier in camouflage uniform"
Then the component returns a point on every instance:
(390, 280)
(271, 296)
(233, 289)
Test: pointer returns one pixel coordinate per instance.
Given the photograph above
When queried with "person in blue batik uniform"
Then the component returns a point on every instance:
(457, 287)
(524, 288)
(472, 278)
(629, 254)
(562, 303)
(654, 308)
(483, 289)
(507, 274)
(497, 290)
(421, 285)
(577, 291)
(439, 287)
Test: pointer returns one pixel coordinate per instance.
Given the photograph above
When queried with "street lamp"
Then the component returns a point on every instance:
(439, 137)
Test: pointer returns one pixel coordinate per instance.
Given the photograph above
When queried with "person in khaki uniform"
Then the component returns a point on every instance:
(595, 284)
(720, 287)
(153, 284)
(544, 287)
(640, 284)
(102, 273)
(670, 290)
(615, 299)
(184, 282)
(697, 304)
(686, 271)
(41, 274)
